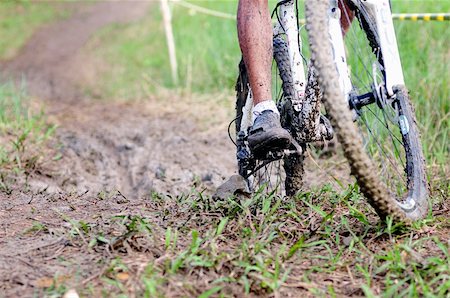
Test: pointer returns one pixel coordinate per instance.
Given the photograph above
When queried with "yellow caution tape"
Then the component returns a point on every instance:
(396, 16)
(421, 16)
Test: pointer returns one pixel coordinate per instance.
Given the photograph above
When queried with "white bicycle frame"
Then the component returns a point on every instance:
(379, 10)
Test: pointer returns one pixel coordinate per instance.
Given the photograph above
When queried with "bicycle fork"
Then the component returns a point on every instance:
(380, 12)
(306, 124)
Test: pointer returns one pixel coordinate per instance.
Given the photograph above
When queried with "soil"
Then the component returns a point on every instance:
(134, 148)
(110, 155)
(127, 148)
(124, 150)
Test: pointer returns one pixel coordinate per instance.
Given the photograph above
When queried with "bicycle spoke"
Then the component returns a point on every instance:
(386, 126)
(392, 136)
(382, 139)
(378, 143)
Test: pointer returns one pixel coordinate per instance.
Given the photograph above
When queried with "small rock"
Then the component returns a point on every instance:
(160, 173)
(236, 184)
(125, 147)
(347, 240)
(207, 177)
(121, 199)
(71, 294)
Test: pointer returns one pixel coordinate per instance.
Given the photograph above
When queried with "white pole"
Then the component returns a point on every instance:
(167, 19)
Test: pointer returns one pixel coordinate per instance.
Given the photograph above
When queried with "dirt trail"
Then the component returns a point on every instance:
(50, 60)
(123, 150)
(112, 155)
(132, 148)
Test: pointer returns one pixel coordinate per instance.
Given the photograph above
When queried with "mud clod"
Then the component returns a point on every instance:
(234, 185)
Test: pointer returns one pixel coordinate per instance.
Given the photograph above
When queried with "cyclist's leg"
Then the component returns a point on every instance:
(347, 15)
(255, 40)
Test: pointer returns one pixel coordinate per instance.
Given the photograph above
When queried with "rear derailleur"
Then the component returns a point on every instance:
(248, 162)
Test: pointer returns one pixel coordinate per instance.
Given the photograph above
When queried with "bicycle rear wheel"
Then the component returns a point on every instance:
(382, 145)
(284, 176)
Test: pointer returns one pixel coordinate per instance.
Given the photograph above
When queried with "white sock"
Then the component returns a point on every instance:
(264, 106)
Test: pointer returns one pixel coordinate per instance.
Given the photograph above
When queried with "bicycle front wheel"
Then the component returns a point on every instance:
(378, 131)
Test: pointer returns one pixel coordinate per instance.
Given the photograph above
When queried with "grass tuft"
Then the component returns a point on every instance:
(22, 132)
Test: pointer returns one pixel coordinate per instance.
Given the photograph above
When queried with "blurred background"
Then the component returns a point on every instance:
(117, 51)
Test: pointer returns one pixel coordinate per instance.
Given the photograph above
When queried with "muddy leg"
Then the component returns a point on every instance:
(255, 40)
(347, 15)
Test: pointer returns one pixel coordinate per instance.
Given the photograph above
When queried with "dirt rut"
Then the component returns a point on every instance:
(133, 148)
(126, 150)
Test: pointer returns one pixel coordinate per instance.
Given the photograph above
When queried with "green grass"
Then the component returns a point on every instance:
(424, 52)
(19, 19)
(23, 132)
(321, 243)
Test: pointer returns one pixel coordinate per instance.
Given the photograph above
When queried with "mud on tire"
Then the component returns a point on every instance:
(362, 167)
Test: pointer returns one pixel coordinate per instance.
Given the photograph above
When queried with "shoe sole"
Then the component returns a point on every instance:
(271, 144)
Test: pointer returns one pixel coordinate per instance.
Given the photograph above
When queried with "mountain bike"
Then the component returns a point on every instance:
(357, 74)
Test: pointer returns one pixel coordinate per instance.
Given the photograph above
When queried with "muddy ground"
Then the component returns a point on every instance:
(111, 155)
(127, 148)
(131, 149)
